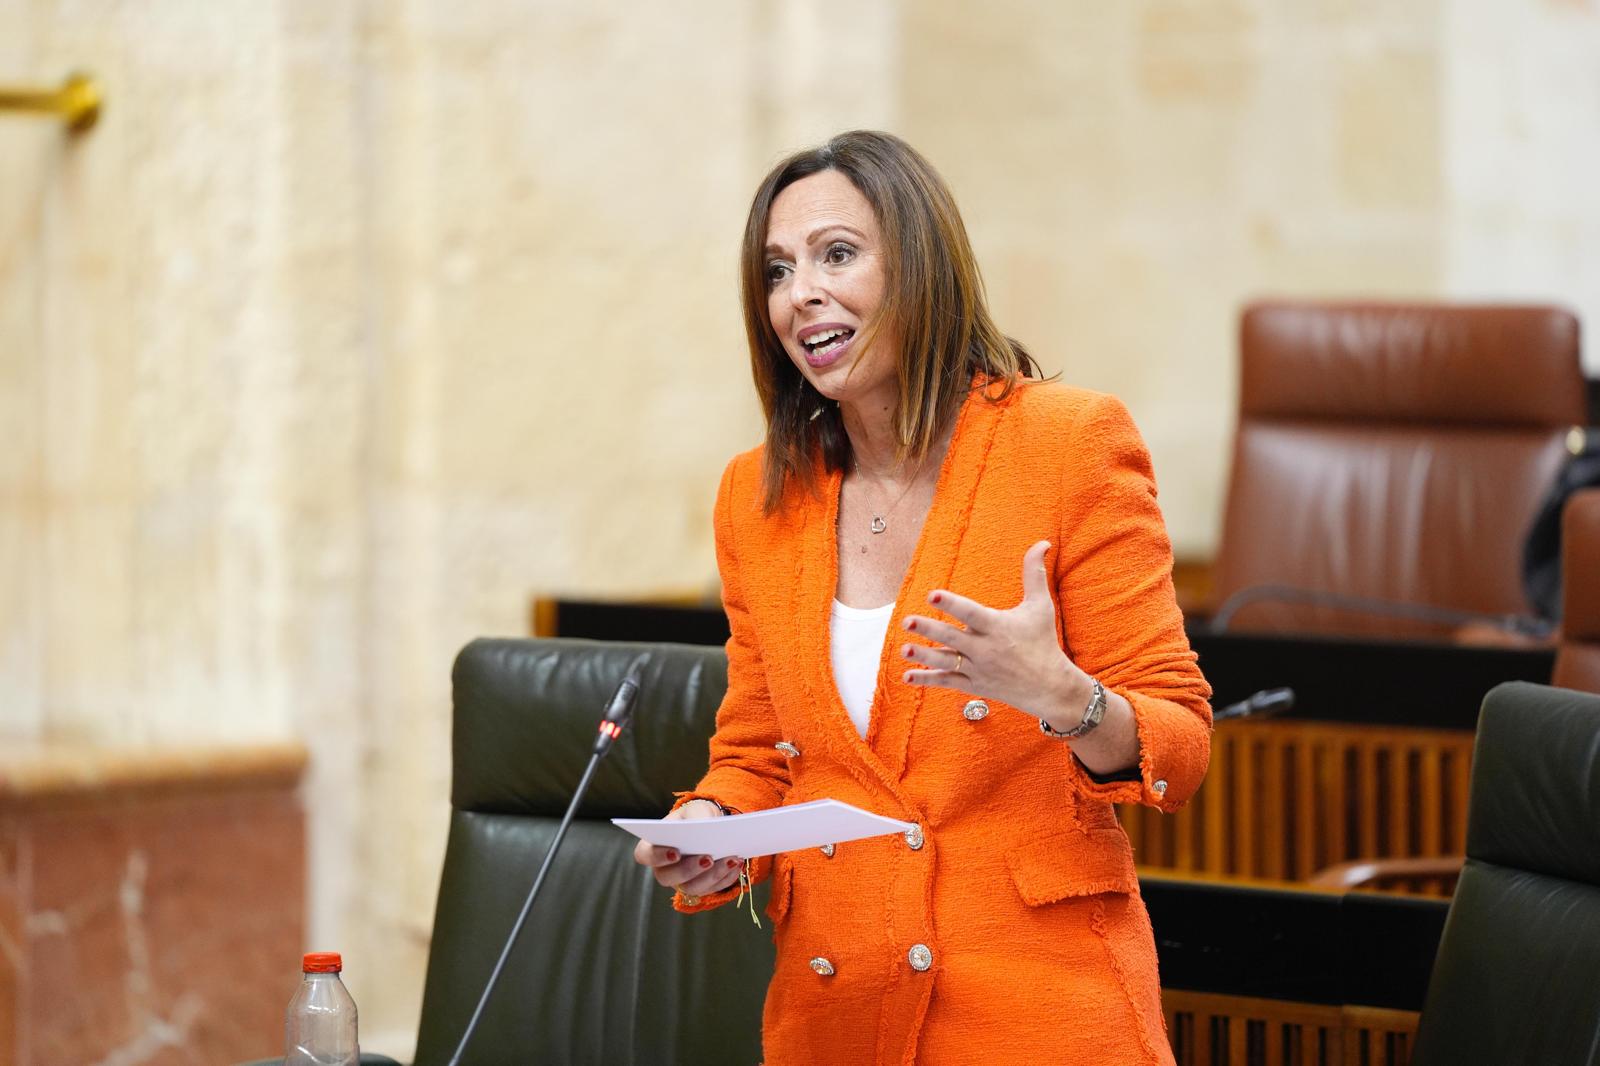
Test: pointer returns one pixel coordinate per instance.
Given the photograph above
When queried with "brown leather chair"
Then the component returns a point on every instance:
(1578, 656)
(1392, 452)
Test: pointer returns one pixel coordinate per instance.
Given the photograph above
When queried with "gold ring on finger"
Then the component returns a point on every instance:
(959, 660)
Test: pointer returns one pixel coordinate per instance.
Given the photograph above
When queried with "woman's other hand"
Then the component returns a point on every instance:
(1010, 655)
(1015, 656)
(693, 875)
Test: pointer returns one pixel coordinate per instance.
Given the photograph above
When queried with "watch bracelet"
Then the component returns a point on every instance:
(1092, 716)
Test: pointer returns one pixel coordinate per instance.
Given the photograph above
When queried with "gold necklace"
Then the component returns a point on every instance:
(880, 522)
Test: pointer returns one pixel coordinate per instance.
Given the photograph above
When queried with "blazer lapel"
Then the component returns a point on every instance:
(815, 584)
(881, 757)
(896, 705)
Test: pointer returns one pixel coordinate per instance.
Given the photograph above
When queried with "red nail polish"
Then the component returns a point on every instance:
(912, 625)
(672, 856)
(935, 597)
(732, 863)
(704, 862)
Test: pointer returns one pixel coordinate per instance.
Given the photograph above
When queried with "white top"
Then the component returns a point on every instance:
(856, 643)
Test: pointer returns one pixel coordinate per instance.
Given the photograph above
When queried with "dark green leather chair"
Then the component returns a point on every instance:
(1517, 977)
(606, 971)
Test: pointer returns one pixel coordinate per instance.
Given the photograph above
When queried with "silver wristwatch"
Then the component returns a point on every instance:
(1091, 717)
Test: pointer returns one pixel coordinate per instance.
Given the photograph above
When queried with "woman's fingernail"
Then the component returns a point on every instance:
(732, 863)
(905, 649)
(911, 624)
(672, 856)
(704, 862)
(934, 598)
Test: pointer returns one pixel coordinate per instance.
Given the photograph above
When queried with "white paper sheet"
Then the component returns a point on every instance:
(747, 836)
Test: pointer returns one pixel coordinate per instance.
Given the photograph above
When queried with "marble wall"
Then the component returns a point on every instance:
(353, 325)
(149, 903)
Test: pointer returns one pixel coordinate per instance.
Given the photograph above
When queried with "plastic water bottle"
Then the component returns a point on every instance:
(321, 1026)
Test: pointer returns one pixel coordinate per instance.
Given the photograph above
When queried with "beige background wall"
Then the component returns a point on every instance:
(355, 324)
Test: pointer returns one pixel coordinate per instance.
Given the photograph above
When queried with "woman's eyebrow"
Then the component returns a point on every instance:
(811, 238)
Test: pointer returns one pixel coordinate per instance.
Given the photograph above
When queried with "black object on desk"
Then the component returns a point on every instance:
(1425, 684)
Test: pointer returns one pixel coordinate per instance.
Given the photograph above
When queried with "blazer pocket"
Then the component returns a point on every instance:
(1073, 864)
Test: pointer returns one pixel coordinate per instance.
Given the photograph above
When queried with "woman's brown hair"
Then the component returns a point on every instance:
(934, 304)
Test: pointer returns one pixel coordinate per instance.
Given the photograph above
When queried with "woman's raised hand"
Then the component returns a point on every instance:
(693, 875)
(1010, 655)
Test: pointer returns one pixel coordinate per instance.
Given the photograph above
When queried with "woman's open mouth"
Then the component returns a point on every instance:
(824, 346)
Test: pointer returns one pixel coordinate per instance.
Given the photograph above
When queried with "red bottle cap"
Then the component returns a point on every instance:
(322, 962)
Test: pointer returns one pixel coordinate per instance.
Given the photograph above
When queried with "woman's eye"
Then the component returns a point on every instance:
(838, 253)
(776, 272)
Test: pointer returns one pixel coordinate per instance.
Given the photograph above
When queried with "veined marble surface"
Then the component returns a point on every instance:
(152, 904)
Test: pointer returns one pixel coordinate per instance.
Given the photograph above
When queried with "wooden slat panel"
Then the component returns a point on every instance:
(1334, 1041)
(1310, 1046)
(1460, 779)
(1284, 800)
(1354, 1048)
(1401, 809)
(1183, 830)
(1431, 784)
(1331, 776)
(1274, 856)
(1218, 778)
(1366, 792)
(1246, 796)
(1196, 828)
(1315, 1034)
(1305, 811)
(1176, 1025)
(1389, 1034)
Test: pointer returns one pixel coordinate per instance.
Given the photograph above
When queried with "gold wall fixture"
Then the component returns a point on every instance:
(76, 102)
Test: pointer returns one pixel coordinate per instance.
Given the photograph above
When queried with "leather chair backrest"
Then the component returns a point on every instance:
(1514, 981)
(605, 971)
(1578, 655)
(1393, 451)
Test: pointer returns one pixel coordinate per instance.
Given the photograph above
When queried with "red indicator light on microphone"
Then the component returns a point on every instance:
(611, 729)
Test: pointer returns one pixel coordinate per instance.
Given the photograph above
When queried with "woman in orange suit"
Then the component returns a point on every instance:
(950, 595)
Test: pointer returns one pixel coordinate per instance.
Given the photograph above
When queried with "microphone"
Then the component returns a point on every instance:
(1267, 702)
(617, 715)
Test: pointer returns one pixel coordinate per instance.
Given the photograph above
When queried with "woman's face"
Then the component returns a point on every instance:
(826, 277)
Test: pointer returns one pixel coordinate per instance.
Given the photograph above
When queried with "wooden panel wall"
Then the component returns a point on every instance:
(1284, 799)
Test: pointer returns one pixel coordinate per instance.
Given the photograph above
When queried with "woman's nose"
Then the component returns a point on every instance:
(806, 289)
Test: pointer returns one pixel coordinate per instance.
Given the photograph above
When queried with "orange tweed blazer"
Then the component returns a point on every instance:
(1022, 888)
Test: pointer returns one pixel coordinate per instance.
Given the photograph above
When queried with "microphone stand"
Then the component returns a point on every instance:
(618, 712)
